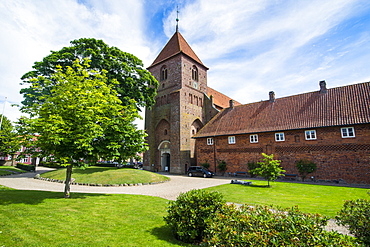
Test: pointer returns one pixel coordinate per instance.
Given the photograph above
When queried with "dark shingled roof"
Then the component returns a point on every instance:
(339, 106)
(176, 45)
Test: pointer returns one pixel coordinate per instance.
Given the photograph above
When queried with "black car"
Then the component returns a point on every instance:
(199, 171)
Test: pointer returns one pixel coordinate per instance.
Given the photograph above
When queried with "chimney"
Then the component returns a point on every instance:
(272, 96)
(231, 103)
(323, 87)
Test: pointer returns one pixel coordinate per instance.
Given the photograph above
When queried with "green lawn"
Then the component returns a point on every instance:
(107, 175)
(39, 218)
(325, 200)
(8, 170)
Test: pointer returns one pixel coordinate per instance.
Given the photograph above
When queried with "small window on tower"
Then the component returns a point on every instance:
(163, 73)
(194, 73)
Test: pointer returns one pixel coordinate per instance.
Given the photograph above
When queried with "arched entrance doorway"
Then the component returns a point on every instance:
(164, 150)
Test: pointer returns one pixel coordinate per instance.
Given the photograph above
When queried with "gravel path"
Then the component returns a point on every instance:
(168, 190)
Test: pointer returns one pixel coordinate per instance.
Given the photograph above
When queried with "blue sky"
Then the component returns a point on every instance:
(251, 47)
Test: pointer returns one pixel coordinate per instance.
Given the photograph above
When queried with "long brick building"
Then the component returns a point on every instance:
(330, 127)
(193, 124)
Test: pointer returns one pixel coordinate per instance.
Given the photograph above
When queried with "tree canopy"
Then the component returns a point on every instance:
(81, 118)
(269, 168)
(134, 81)
(9, 141)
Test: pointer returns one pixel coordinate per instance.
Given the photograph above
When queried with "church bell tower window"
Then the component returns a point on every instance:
(163, 73)
(195, 76)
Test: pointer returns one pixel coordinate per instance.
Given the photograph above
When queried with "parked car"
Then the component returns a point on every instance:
(199, 171)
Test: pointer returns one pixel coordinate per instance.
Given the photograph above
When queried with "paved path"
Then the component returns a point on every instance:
(168, 190)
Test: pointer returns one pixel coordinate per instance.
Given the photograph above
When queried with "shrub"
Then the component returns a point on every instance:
(267, 226)
(305, 167)
(187, 215)
(205, 165)
(25, 167)
(356, 215)
(222, 166)
(251, 167)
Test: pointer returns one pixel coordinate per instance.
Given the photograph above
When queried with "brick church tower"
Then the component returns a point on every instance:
(182, 107)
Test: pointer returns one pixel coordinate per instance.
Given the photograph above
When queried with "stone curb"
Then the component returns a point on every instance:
(96, 185)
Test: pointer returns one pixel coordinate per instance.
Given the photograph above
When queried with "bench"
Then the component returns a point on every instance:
(240, 173)
(290, 176)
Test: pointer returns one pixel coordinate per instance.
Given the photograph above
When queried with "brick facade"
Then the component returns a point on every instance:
(336, 157)
(187, 112)
(182, 107)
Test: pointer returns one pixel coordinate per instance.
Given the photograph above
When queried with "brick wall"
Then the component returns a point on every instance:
(336, 157)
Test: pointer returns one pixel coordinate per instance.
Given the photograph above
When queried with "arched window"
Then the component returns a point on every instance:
(163, 73)
(194, 73)
(165, 132)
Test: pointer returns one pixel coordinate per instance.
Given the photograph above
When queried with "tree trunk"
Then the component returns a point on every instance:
(67, 188)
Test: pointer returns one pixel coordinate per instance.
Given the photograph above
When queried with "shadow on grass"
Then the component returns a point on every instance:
(259, 186)
(33, 197)
(164, 233)
(91, 170)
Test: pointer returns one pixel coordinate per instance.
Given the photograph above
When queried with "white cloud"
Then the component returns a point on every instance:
(33, 28)
(266, 45)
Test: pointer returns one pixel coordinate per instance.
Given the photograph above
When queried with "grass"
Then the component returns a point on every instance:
(107, 175)
(39, 218)
(325, 200)
(8, 170)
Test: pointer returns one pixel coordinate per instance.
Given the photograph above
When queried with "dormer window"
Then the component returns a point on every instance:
(163, 73)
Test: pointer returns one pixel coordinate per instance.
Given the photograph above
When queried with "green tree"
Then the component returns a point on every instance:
(9, 140)
(269, 168)
(81, 119)
(305, 167)
(134, 81)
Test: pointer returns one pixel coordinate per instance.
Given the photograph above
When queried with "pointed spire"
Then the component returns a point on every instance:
(176, 45)
(177, 19)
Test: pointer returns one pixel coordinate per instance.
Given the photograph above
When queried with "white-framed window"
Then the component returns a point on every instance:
(347, 132)
(209, 141)
(231, 139)
(310, 134)
(253, 138)
(279, 137)
(25, 159)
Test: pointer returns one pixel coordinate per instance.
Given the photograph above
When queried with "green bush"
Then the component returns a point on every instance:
(222, 167)
(356, 215)
(205, 165)
(251, 166)
(25, 167)
(188, 214)
(305, 167)
(267, 226)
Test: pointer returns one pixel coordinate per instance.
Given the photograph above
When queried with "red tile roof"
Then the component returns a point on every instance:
(176, 45)
(340, 106)
(219, 99)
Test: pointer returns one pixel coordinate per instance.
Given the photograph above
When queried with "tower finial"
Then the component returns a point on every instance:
(177, 19)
